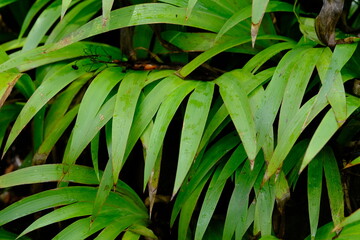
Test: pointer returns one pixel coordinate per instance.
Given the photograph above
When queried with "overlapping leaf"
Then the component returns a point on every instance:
(125, 105)
(195, 118)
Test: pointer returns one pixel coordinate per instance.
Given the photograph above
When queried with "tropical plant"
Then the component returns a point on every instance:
(245, 106)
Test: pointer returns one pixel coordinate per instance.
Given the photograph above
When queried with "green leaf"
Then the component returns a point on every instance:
(85, 227)
(104, 189)
(334, 186)
(210, 158)
(210, 201)
(291, 134)
(257, 13)
(326, 130)
(264, 208)
(265, 116)
(189, 207)
(352, 218)
(215, 123)
(258, 10)
(149, 105)
(202, 41)
(293, 160)
(315, 175)
(307, 28)
(64, 7)
(101, 118)
(336, 95)
(324, 233)
(195, 118)
(74, 210)
(341, 55)
(77, 16)
(269, 237)
(295, 89)
(45, 200)
(7, 82)
(238, 105)
(54, 135)
(53, 84)
(215, 188)
(142, 230)
(147, 13)
(282, 192)
(241, 227)
(42, 24)
(106, 11)
(40, 56)
(91, 103)
(354, 162)
(259, 59)
(245, 13)
(126, 102)
(61, 104)
(155, 173)
(236, 159)
(190, 6)
(95, 153)
(163, 118)
(25, 85)
(128, 235)
(238, 206)
(48, 173)
(112, 230)
(350, 232)
(219, 48)
(34, 10)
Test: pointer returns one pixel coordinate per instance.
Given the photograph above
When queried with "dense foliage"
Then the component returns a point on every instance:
(229, 119)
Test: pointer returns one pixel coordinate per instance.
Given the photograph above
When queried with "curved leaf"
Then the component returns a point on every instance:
(37, 57)
(43, 23)
(195, 118)
(77, 16)
(53, 136)
(54, 84)
(210, 158)
(147, 13)
(299, 77)
(45, 200)
(238, 105)
(125, 105)
(245, 13)
(35, 8)
(259, 59)
(202, 58)
(341, 55)
(188, 208)
(334, 186)
(74, 210)
(326, 129)
(257, 13)
(314, 187)
(90, 105)
(163, 118)
(48, 173)
(238, 206)
(7, 82)
(216, 186)
(149, 105)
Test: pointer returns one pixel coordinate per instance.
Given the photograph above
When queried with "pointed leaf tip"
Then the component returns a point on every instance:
(254, 32)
